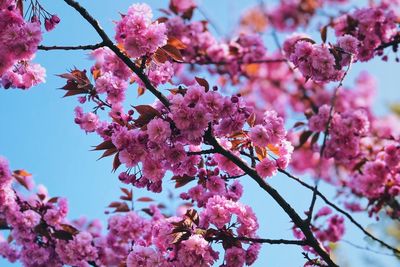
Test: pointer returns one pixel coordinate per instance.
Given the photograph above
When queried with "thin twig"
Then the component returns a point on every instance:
(297, 220)
(266, 240)
(79, 47)
(202, 152)
(332, 108)
(340, 210)
(261, 61)
(395, 41)
(312, 205)
(367, 248)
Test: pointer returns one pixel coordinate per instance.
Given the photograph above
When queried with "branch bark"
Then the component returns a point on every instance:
(79, 47)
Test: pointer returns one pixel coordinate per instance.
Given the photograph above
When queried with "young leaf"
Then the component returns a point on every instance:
(145, 199)
(203, 82)
(303, 138)
(173, 52)
(324, 32)
(176, 43)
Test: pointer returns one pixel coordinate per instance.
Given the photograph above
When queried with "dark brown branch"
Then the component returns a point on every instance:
(261, 61)
(340, 210)
(297, 220)
(79, 47)
(202, 152)
(261, 240)
(332, 108)
(394, 42)
(273, 241)
(312, 205)
(107, 42)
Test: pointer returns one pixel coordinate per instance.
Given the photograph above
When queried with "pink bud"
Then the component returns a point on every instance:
(48, 25)
(55, 19)
(34, 19)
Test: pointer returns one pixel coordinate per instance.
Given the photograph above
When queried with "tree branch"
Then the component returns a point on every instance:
(202, 152)
(395, 41)
(261, 61)
(312, 205)
(261, 240)
(333, 103)
(79, 47)
(303, 226)
(340, 210)
(273, 241)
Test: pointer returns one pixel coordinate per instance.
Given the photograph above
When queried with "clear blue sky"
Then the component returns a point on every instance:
(38, 134)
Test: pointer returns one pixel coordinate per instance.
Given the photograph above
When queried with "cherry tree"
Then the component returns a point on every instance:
(234, 109)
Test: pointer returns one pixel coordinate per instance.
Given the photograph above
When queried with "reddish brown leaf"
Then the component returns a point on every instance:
(145, 199)
(147, 113)
(203, 82)
(303, 138)
(251, 119)
(182, 180)
(173, 52)
(160, 56)
(141, 91)
(114, 204)
(176, 43)
(20, 176)
(315, 138)
(261, 152)
(52, 200)
(116, 162)
(324, 33)
(147, 211)
(162, 19)
(175, 91)
(22, 173)
(188, 14)
(104, 146)
(109, 152)
(69, 228)
(306, 40)
(273, 149)
(63, 235)
(298, 124)
(122, 208)
(74, 92)
(193, 216)
(128, 194)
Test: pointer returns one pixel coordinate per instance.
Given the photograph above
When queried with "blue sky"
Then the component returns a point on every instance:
(39, 135)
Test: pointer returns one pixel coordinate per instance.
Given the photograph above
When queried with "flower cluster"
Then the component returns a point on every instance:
(291, 14)
(163, 138)
(138, 34)
(320, 62)
(40, 234)
(23, 75)
(345, 131)
(18, 43)
(372, 27)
